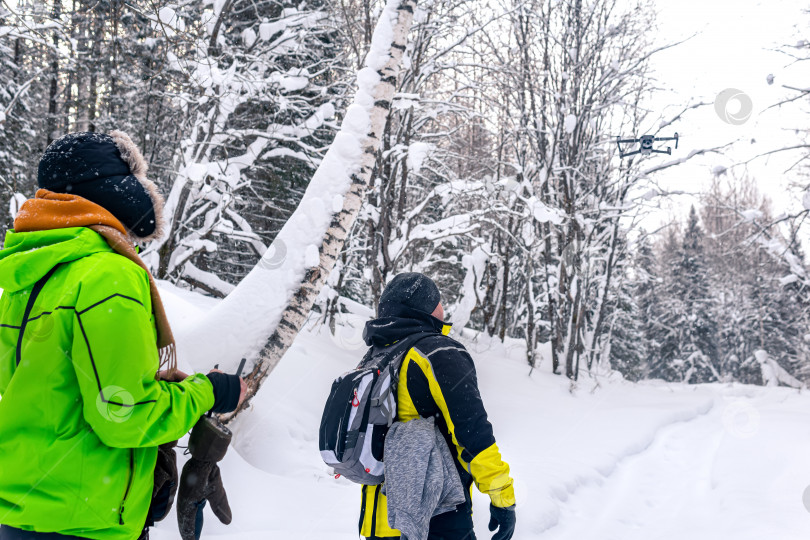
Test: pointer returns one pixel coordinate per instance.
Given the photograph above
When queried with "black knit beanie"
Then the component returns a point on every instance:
(108, 170)
(409, 290)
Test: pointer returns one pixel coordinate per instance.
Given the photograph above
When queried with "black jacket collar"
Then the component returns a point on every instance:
(387, 330)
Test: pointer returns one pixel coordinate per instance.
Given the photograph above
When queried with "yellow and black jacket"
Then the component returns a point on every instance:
(438, 379)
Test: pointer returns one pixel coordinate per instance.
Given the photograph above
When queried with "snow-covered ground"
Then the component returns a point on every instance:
(608, 461)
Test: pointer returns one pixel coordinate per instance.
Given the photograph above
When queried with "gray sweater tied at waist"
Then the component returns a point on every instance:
(421, 480)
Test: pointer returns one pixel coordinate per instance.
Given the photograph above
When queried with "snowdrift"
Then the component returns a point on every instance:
(609, 461)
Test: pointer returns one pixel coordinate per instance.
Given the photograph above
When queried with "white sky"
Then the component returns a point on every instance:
(732, 50)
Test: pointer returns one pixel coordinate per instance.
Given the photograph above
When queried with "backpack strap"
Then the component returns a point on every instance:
(394, 367)
(406, 345)
(29, 306)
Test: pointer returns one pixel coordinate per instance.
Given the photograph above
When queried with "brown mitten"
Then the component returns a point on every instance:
(201, 480)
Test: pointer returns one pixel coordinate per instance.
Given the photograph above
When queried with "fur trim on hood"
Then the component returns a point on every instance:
(137, 164)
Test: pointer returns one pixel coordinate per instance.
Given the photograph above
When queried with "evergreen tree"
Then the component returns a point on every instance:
(666, 312)
(628, 341)
(700, 348)
(688, 350)
(648, 292)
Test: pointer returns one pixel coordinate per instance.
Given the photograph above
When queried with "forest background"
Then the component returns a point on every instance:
(498, 176)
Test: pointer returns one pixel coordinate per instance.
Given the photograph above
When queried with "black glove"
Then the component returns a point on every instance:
(226, 392)
(165, 487)
(502, 519)
(200, 480)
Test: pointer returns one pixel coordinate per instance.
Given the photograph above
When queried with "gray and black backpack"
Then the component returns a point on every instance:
(361, 407)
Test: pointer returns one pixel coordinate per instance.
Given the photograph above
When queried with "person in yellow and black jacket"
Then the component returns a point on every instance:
(438, 379)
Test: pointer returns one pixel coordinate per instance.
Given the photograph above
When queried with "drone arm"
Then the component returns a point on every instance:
(619, 143)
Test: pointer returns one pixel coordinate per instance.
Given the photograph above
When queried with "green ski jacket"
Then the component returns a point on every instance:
(81, 414)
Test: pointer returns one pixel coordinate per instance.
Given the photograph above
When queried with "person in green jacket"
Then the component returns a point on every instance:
(83, 336)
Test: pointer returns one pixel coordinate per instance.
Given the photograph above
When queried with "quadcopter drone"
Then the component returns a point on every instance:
(646, 147)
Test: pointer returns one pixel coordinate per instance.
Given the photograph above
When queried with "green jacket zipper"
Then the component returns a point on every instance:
(129, 485)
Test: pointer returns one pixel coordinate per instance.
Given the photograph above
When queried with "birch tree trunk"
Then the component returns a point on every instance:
(261, 317)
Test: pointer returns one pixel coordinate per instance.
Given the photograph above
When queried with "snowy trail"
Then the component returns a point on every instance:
(686, 483)
(648, 493)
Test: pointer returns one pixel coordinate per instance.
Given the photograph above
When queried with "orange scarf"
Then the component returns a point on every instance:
(49, 210)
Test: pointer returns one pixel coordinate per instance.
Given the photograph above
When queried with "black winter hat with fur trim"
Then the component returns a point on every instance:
(109, 170)
(408, 290)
